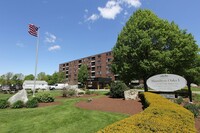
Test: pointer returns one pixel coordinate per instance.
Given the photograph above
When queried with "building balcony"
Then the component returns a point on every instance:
(92, 76)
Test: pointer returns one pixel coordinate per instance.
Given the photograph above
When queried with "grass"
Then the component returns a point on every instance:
(58, 118)
(195, 89)
(196, 97)
(5, 96)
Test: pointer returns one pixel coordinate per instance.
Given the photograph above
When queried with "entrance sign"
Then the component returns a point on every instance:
(166, 82)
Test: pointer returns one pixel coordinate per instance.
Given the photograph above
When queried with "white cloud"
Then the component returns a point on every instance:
(93, 17)
(131, 3)
(86, 10)
(55, 47)
(20, 45)
(111, 10)
(50, 38)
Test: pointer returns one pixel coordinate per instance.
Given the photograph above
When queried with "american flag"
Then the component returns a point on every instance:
(33, 30)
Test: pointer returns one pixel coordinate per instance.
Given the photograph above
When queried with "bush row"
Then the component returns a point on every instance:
(160, 116)
(31, 103)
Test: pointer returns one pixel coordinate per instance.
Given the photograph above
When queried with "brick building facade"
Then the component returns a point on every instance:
(99, 66)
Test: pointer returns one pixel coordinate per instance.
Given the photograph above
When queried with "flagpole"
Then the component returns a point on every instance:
(36, 62)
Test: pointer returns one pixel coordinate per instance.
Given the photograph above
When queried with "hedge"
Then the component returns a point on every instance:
(161, 116)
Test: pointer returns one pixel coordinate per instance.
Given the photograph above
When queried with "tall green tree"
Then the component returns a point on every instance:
(49, 80)
(17, 79)
(2, 80)
(42, 76)
(58, 77)
(83, 74)
(148, 45)
(29, 77)
(6, 79)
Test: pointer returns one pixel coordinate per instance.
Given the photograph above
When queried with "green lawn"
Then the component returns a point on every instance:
(196, 97)
(4, 96)
(195, 89)
(63, 118)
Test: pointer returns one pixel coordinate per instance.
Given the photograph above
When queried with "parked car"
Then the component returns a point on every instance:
(58, 86)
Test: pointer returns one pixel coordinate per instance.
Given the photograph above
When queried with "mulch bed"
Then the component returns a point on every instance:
(112, 105)
(81, 96)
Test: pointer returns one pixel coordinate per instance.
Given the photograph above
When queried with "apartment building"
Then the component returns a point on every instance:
(99, 68)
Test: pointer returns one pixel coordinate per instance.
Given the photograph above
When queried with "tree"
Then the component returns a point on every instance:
(29, 77)
(17, 79)
(2, 80)
(83, 74)
(6, 79)
(58, 77)
(192, 74)
(49, 80)
(148, 45)
(42, 76)
(61, 77)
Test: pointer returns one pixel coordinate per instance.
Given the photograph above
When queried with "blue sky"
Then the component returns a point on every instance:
(72, 29)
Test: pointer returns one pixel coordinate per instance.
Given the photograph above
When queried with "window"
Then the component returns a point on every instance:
(107, 72)
(99, 72)
(108, 60)
(99, 61)
(93, 74)
(98, 67)
(108, 54)
(93, 68)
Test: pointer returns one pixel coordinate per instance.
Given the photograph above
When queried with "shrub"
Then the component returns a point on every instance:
(45, 97)
(88, 92)
(30, 92)
(193, 108)
(161, 116)
(68, 92)
(71, 92)
(17, 104)
(4, 103)
(32, 103)
(117, 89)
(64, 92)
(107, 86)
(179, 100)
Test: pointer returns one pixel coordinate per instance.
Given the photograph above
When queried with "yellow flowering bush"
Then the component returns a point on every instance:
(162, 116)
